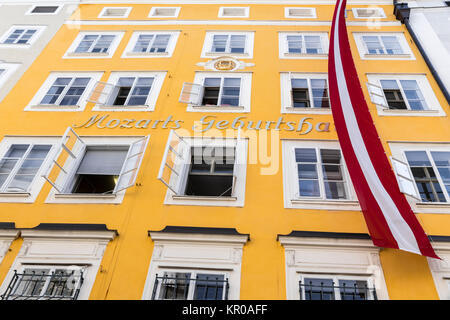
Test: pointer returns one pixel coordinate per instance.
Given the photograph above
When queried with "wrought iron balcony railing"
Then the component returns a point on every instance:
(345, 290)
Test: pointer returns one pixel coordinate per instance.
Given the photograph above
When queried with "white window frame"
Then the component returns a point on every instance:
(239, 171)
(207, 45)
(284, 49)
(71, 54)
(71, 165)
(32, 40)
(365, 55)
(152, 96)
(34, 104)
(128, 52)
(287, 13)
(381, 14)
(222, 14)
(153, 9)
(290, 179)
(433, 105)
(244, 94)
(38, 182)
(30, 11)
(398, 152)
(103, 14)
(211, 253)
(440, 269)
(62, 248)
(286, 92)
(9, 68)
(325, 256)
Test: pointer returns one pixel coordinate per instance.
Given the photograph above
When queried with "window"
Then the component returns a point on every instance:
(64, 92)
(332, 266)
(20, 165)
(199, 171)
(115, 12)
(218, 92)
(21, 36)
(300, 13)
(315, 176)
(201, 264)
(409, 95)
(45, 283)
(228, 43)
(95, 169)
(368, 13)
(92, 44)
(335, 288)
(128, 91)
(431, 172)
(307, 44)
(44, 10)
(164, 12)
(151, 44)
(7, 70)
(233, 12)
(440, 270)
(195, 285)
(310, 93)
(383, 46)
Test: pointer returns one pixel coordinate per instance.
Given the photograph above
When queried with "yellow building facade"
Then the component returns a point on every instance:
(130, 78)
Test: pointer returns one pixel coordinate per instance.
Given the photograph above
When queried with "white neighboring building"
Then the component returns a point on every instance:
(430, 21)
(26, 28)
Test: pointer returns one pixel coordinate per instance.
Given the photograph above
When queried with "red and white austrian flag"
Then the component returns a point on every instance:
(388, 215)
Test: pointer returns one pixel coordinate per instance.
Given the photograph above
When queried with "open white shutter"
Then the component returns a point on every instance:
(68, 142)
(377, 95)
(239, 161)
(131, 165)
(192, 93)
(102, 93)
(175, 161)
(405, 178)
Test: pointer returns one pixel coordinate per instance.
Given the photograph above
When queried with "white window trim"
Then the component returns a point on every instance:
(211, 252)
(7, 236)
(286, 88)
(62, 248)
(128, 52)
(325, 256)
(222, 10)
(152, 96)
(30, 11)
(33, 39)
(433, 105)
(239, 188)
(381, 12)
(290, 179)
(362, 48)
(71, 54)
(104, 16)
(287, 15)
(283, 46)
(72, 164)
(34, 104)
(398, 152)
(440, 269)
(38, 181)
(244, 94)
(10, 68)
(249, 42)
(153, 9)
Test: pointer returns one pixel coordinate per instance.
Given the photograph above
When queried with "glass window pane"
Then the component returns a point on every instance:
(174, 286)
(307, 171)
(305, 155)
(353, 290)
(212, 82)
(318, 289)
(389, 84)
(309, 188)
(417, 158)
(17, 150)
(299, 83)
(209, 287)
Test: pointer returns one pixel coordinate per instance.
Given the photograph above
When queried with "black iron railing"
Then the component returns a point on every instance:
(206, 287)
(44, 285)
(326, 291)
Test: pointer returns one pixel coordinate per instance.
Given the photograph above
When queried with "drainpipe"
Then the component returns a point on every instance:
(402, 12)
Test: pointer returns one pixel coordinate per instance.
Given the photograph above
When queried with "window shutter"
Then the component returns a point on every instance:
(377, 95)
(239, 154)
(175, 161)
(69, 141)
(131, 165)
(405, 178)
(192, 93)
(102, 93)
(103, 161)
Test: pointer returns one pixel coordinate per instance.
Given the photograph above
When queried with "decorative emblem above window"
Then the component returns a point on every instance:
(225, 63)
